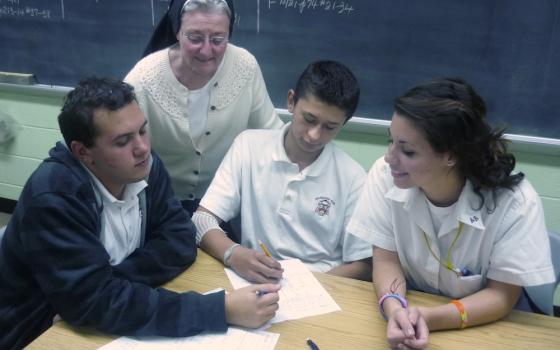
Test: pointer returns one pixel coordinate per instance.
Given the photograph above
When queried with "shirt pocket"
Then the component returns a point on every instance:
(467, 285)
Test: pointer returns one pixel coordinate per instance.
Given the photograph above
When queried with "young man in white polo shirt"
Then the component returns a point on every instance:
(294, 188)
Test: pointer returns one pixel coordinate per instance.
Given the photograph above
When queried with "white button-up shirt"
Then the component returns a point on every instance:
(508, 243)
(297, 214)
(121, 220)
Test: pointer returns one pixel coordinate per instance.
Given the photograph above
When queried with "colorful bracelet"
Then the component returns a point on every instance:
(400, 298)
(462, 312)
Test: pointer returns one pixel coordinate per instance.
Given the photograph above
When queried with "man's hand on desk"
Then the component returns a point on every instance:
(255, 266)
(253, 305)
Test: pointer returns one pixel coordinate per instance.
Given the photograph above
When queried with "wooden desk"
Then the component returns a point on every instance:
(357, 326)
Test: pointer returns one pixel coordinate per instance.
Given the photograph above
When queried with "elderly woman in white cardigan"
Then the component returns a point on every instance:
(198, 92)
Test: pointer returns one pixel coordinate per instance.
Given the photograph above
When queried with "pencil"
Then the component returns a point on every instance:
(265, 249)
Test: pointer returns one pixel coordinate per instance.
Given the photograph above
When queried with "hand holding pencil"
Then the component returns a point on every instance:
(275, 264)
(255, 266)
(265, 249)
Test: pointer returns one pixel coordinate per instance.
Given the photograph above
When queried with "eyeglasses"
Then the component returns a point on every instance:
(199, 39)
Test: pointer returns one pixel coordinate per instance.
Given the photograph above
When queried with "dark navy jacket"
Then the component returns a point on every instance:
(52, 262)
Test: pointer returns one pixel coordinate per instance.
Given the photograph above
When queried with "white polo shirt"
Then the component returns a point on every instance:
(509, 244)
(121, 220)
(296, 214)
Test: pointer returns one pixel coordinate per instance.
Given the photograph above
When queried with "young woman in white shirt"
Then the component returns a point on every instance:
(447, 215)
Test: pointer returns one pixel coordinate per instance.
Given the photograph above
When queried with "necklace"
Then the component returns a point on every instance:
(448, 264)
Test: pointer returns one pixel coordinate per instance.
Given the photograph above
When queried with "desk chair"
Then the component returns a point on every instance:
(543, 296)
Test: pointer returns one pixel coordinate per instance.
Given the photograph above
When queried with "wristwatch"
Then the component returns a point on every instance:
(227, 253)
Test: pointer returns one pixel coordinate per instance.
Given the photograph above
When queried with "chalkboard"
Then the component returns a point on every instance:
(509, 50)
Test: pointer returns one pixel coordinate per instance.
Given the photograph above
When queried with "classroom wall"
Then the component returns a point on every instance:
(38, 131)
(36, 112)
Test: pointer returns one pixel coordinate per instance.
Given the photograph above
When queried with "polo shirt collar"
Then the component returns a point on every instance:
(466, 207)
(413, 201)
(314, 169)
(130, 192)
(279, 152)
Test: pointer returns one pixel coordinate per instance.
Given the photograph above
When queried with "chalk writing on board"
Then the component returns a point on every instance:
(16, 11)
(24, 8)
(337, 6)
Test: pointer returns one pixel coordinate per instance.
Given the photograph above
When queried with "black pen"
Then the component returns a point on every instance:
(260, 292)
(312, 345)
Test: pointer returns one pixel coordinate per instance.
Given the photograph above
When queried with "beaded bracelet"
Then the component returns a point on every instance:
(462, 312)
(400, 298)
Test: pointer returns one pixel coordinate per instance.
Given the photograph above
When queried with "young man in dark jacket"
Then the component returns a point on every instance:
(97, 228)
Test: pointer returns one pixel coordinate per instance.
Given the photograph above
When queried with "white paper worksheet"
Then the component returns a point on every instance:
(301, 295)
(234, 339)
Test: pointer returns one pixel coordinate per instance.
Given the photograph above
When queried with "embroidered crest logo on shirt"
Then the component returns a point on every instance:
(323, 205)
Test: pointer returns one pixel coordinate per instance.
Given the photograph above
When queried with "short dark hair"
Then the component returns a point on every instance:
(332, 83)
(76, 117)
(451, 115)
